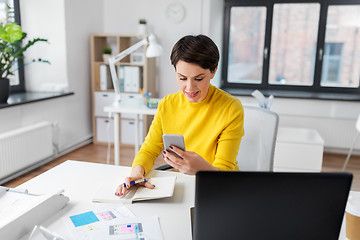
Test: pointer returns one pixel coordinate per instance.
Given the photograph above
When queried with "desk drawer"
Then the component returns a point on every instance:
(103, 99)
(104, 130)
(128, 131)
(298, 156)
(127, 96)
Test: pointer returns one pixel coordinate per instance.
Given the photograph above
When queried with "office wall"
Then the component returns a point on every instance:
(49, 23)
(122, 16)
(68, 25)
(334, 120)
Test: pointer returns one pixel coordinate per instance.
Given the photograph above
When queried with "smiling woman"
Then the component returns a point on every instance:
(210, 119)
(193, 81)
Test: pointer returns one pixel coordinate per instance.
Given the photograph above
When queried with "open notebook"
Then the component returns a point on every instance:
(164, 187)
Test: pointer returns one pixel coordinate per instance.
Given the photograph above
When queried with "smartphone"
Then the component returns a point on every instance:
(175, 140)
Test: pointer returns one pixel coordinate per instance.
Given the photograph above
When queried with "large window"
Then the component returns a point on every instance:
(303, 46)
(10, 12)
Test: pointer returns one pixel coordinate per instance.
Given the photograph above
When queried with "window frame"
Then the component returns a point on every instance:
(264, 85)
(21, 86)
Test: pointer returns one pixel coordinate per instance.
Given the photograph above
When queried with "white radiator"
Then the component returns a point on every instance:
(24, 147)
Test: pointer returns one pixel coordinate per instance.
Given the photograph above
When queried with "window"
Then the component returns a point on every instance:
(10, 12)
(299, 46)
(246, 44)
(293, 43)
(341, 60)
(331, 64)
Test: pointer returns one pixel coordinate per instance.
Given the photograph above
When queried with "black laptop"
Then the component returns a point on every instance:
(267, 205)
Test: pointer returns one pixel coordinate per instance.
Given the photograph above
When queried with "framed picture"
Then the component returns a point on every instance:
(137, 57)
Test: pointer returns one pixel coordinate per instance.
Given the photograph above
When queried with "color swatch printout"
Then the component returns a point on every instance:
(133, 230)
(113, 224)
(84, 219)
(108, 215)
(125, 228)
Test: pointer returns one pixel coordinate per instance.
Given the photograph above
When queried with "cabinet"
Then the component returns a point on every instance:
(298, 150)
(102, 90)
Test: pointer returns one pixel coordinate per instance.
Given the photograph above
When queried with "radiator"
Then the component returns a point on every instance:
(24, 147)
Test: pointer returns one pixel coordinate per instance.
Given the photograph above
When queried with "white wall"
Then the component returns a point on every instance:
(334, 120)
(45, 19)
(68, 25)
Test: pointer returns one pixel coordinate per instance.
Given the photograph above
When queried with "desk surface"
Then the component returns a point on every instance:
(80, 180)
(136, 106)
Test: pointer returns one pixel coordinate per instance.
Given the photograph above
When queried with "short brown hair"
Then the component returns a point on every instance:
(199, 49)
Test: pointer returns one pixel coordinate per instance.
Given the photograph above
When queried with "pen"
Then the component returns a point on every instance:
(136, 181)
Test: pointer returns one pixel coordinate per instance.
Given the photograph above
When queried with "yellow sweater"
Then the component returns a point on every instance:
(212, 128)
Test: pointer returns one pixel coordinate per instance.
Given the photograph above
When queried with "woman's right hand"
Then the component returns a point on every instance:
(136, 173)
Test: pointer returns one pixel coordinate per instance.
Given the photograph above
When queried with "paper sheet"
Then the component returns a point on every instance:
(116, 223)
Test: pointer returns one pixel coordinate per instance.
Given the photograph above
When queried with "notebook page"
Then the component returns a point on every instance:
(106, 193)
(164, 187)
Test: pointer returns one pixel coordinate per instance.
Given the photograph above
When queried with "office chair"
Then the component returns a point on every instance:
(256, 152)
(356, 138)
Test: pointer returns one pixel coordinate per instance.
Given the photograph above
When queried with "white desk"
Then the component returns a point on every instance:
(80, 180)
(134, 106)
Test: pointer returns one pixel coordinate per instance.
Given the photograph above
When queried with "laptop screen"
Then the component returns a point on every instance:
(268, 205)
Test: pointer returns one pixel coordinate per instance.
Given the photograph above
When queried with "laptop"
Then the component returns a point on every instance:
(268, 205)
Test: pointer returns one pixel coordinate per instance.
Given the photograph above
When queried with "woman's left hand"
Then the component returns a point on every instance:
(188, 162)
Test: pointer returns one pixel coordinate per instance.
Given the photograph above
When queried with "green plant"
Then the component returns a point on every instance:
(142, 21)
(107, 50)
(11, 37)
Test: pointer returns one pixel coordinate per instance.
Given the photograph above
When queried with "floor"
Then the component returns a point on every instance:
(97, 153)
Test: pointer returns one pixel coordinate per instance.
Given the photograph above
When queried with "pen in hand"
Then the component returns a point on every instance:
(121, 190)
(135, 182)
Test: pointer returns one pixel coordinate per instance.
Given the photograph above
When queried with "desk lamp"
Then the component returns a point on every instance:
(153, 50)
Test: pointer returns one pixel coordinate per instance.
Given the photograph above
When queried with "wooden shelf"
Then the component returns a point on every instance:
(118, 43)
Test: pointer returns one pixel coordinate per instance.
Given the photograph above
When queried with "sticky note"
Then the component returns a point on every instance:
(84, 218)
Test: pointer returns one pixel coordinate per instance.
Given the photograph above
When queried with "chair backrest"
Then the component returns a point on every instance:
(256, 152)
(358, 124)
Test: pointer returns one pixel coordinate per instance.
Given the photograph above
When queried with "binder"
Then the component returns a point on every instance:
(21, 210)
(131, 79)
(135, 81)
(121, 73)
(105, 79)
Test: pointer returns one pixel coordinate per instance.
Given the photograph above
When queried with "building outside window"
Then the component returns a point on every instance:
(304, 46)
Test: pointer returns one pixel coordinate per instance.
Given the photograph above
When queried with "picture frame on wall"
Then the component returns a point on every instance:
(137, 57)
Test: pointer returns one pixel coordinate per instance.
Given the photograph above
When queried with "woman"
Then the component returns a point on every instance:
(210, 119)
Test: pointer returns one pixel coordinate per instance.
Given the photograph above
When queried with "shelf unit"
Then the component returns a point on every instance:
(102, 97)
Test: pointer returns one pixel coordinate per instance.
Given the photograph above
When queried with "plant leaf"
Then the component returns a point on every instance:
(14, 32)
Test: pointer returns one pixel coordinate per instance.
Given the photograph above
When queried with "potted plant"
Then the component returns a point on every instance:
(142, 30)
(11, 36)
(106, 54)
